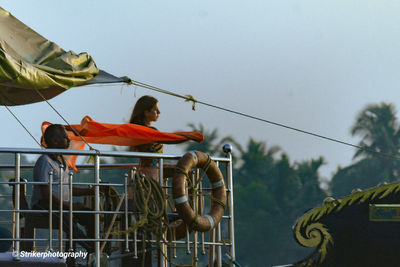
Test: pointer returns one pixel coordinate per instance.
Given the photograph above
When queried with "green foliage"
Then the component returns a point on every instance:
(307, 172)
(268, 203)
(211, 144)
(379, 129)
(258, 163)
(270, 194)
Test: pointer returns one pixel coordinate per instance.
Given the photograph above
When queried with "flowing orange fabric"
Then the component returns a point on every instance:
(118, 134)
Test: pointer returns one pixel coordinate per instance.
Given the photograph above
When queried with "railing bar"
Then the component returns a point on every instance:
(100, 184)
(219, 250)
(162, 261)
(51, 211)
(66, 211)
(231, 208)
(126, 213)
(46, 183)
(195, 176)
(94, 153)
(135, 248)
(97, 209)
(201, 209)
(60, 227)
(88, 212)
(109, 166)
(17, 203)
(71, 249)
(116, 240)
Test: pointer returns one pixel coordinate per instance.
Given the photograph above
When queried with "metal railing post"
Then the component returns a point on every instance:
(211, 255)
(163, 248)
(228, 149)
(17, 204)
(60, 231)
(219, 248)
(188, 251)
(126, 213)
(97, 208)
(201, 210)
(51, 211)
(135, 250)
(188, 248)
(195, 176)
(71, 247)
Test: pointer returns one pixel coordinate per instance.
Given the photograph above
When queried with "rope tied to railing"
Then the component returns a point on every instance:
(149, 203)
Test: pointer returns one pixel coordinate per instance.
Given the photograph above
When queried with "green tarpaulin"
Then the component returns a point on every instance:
(30, 63)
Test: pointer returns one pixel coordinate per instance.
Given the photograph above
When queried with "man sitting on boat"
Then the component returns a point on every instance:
(56, 137)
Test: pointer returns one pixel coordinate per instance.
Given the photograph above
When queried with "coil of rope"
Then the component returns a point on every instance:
(149, 203)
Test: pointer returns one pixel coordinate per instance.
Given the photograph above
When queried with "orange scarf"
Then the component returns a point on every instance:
(117, 134)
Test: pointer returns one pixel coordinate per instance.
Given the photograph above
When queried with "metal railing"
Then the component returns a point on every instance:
(220, 240)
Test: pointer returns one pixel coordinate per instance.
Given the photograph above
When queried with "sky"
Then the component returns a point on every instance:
(312, 65)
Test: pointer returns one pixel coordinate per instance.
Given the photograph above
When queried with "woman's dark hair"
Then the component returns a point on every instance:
(144, 103)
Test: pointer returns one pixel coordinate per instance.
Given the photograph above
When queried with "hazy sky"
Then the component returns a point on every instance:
(308, 64)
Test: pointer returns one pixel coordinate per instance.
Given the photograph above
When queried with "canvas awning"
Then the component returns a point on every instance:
(32, 66)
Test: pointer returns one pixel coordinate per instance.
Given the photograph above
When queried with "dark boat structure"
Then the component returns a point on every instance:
(361, 229)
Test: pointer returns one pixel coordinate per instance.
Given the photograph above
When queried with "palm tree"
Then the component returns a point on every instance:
(210, 144)
(379, 130)
(207, 145)
(378, 127)
(311, 192)
(257, 162)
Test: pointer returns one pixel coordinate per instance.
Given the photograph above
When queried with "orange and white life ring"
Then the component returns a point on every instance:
(201, 223)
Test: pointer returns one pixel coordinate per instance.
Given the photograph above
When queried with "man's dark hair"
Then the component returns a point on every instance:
(52, 131)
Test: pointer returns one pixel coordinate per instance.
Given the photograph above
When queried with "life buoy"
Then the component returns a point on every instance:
(192, 220)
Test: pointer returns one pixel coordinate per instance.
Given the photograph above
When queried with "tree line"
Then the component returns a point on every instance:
(271, 191)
